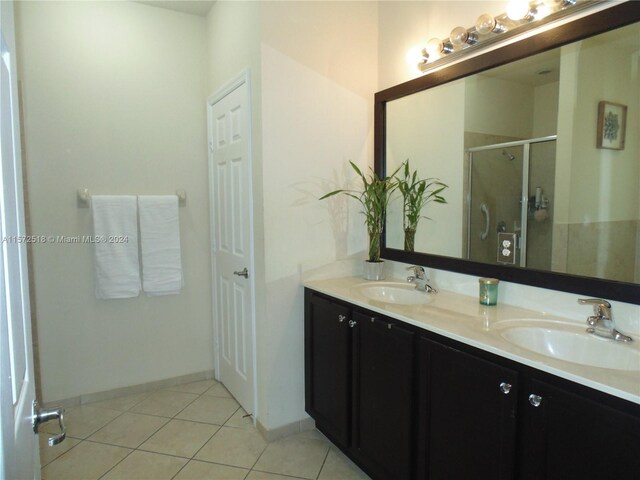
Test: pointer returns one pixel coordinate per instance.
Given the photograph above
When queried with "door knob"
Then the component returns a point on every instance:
(505, 388)
(535, 400)
(242, 273)
(43, 415)
(352, 323)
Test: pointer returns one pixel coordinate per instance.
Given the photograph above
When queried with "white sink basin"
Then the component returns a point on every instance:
(572, 344)
(395, 293)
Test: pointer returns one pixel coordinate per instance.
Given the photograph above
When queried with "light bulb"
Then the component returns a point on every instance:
(416, 56)
(541, 11)
(434, 48)
(458, 36)
(517, 9)
(485, 24)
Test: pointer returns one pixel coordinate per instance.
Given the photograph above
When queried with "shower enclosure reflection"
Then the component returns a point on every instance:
(510, 191)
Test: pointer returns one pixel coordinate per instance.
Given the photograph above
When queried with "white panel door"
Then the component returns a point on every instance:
(232, 240)
(18, 444)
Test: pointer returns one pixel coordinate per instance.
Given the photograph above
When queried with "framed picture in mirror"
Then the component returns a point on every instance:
(612, 123)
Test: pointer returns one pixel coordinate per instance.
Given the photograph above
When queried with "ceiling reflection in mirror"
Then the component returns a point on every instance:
(541, 159)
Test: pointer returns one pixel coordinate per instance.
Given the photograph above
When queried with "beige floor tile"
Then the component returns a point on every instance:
(48, 454)
(297, 456)
(337, 465)
(233, 446)
(238, 420)
(180, 437)
(83, 421)
(315, 435)
(218, 391)
(194, 387)
(208, 409)
(146, 466)
(129, 430)
(122, 404)
(210, 471)
(256, 475)
(86, 461)
(164, 403)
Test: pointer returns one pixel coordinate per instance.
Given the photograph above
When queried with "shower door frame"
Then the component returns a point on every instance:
(524, 198)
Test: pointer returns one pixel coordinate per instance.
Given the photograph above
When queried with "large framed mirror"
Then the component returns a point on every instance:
(539, 144)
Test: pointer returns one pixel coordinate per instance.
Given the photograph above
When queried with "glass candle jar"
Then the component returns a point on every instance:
(488, 291)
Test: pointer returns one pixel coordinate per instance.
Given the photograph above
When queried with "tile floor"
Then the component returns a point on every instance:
(195, 431)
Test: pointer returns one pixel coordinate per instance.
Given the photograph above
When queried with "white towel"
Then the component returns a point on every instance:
(115, 226)
(160, 244)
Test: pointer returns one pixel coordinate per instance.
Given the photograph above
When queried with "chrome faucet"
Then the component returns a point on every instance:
(419, 278)
(601, 322)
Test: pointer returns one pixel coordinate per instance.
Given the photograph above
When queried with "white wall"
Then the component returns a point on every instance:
(318, 78)
(605, 72)
(495, 106)
(545, 110)
(113, 98)
(414, 133)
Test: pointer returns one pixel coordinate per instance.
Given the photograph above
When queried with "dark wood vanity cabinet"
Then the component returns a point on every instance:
(328, 367)
(405, 403)
(567, 436)
(359, 381)
(383, 395)
(468, 415)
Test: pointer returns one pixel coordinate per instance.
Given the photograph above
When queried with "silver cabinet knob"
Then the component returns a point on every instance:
(42, 415)
(342, 318)
(352, 323)
(242, 273)
(505, 388)
(535, 400)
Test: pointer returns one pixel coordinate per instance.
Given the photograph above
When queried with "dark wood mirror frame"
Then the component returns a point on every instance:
(609, 19)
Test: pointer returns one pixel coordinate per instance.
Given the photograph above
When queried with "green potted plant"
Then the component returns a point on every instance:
(416, 194)
(374, 198)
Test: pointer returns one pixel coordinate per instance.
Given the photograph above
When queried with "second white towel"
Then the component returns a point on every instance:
(160, 244)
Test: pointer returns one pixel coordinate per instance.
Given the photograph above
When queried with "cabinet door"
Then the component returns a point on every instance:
(571, 437)
(328, 367)
(384, 353)
(467, 416)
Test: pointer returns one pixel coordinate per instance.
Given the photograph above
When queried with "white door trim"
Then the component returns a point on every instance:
(243, 78)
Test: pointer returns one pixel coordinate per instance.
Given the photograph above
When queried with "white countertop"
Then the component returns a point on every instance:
(462, 318)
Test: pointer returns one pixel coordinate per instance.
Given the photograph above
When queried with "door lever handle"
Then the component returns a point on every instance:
(242, 273)
(43, 415)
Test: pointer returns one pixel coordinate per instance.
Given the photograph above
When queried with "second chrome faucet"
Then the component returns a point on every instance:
(601, 322)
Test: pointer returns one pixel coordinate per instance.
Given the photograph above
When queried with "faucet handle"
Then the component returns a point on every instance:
(601, 307)
(418, 271)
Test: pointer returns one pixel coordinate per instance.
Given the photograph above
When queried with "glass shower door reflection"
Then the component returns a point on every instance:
(495, 200)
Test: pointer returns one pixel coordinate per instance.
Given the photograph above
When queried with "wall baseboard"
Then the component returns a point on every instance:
(131, 390)
(303, 425)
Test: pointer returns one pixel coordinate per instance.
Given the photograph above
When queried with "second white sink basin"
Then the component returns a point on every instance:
(571, 343)
(395, 293)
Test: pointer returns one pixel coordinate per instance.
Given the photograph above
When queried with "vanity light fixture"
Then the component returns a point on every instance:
(488, 29)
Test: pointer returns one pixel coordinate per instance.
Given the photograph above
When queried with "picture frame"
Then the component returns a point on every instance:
(612, 125)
